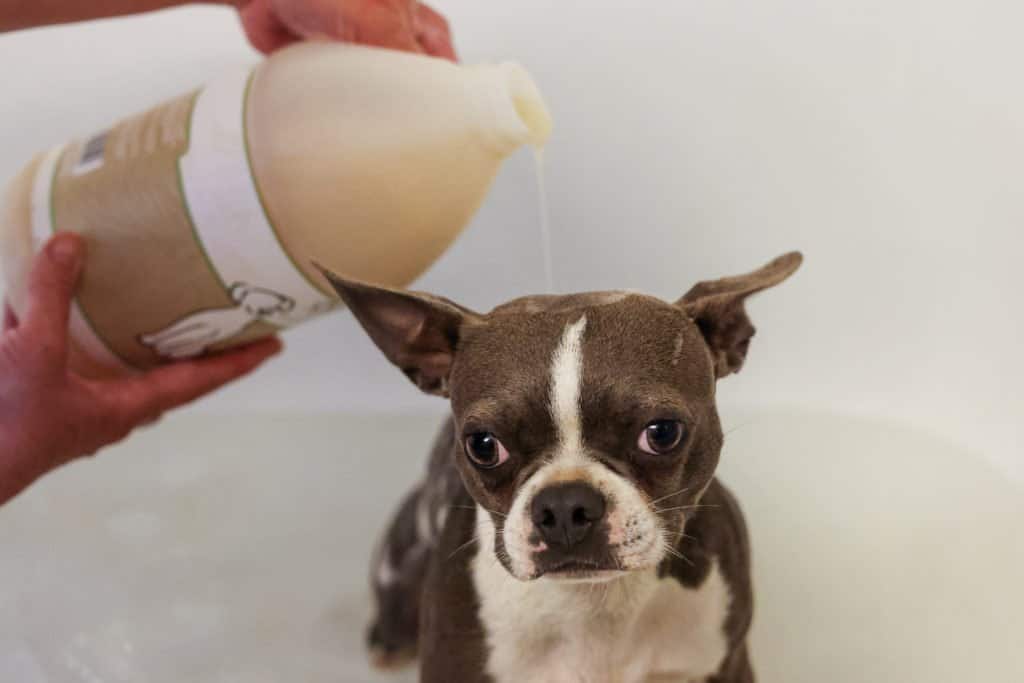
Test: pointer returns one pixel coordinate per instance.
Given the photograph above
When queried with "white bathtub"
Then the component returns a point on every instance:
(234, 550)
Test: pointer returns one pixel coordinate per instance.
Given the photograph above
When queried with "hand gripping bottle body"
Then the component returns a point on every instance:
(203, 217)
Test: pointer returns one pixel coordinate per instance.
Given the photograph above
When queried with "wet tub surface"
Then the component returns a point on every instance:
(235, 550)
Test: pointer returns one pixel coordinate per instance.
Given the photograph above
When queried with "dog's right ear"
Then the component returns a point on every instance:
(417, 332)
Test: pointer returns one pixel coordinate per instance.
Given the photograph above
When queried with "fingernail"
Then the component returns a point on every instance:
(64, 250)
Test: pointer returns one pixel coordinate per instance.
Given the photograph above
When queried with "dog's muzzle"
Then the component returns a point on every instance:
(570, 531)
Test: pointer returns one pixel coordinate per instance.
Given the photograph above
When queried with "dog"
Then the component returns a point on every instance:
(570, 526)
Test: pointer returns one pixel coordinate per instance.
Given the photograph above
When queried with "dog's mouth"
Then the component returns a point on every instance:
(580, 570)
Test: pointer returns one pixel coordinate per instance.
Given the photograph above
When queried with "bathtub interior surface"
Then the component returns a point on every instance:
(235, 550)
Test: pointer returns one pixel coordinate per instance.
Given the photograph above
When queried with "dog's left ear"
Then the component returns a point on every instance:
(717, 309)
(417, 332)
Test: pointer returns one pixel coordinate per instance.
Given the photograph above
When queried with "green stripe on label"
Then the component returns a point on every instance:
(53, 190)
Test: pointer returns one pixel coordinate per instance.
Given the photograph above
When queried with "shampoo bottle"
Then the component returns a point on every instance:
(204, 216)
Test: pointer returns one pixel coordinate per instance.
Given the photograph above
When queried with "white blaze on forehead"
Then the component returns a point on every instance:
(634, 530)
(566, 374)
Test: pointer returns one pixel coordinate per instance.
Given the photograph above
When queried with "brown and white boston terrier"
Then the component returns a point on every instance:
(570, 526)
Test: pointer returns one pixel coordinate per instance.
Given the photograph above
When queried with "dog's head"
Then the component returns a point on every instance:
(586, 424)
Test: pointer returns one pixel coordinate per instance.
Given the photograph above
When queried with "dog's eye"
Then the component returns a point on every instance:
(661, 436)
(484, 449)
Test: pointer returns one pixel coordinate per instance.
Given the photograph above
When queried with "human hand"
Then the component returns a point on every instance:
(399, 24)
(49, 415)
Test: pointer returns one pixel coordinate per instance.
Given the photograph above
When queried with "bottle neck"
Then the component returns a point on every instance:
(510, 109)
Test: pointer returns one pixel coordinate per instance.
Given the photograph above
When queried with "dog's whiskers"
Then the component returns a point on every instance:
(658, 500)
(470, 507)
(738, 427)
(675, 553)
(695, 506)
(464, 545)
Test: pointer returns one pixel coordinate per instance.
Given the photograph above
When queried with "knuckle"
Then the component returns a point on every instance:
(113, 419)
(108, 422)
(34, 369)
(441, 20)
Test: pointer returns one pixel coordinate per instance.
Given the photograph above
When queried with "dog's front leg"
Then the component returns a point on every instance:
(736, 668)
(453, 646)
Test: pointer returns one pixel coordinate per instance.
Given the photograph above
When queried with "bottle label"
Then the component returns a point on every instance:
(182, 257)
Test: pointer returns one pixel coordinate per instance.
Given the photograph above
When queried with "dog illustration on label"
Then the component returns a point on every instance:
(197, 332)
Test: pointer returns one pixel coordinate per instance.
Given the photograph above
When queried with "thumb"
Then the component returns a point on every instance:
(51, 285)
(381, 23)
(315, 18)
(265, 29)
(433, 33)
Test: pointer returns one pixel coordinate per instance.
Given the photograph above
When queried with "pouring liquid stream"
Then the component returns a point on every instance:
(545, 221)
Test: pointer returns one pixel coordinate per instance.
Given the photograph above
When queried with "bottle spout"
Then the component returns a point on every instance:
(529, 104)
(519, 113)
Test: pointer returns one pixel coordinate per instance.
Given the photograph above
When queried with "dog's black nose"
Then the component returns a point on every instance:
(564, 513)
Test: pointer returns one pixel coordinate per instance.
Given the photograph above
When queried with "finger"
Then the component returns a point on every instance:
(389, 24)
(434, 33)
(329, 19)
(144, 398)
(265, 30)
(10, 320)
(381, 23)
(51, 285)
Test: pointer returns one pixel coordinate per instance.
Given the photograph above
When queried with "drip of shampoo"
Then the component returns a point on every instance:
(545, 221)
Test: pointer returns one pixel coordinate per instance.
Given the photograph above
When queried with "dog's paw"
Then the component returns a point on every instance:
(389, 654)
(384, 659)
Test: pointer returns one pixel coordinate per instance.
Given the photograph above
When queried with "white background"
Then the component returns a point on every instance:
(694, 139)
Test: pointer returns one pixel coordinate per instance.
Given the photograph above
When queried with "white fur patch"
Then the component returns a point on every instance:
(566, 374)
(424, 532)
(622, 631)
(440, 517)
(635, 532)
(386, 574)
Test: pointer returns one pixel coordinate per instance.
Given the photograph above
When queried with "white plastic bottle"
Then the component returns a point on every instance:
(203, 217)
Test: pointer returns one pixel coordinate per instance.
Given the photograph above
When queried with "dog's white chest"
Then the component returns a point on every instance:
(625, 631)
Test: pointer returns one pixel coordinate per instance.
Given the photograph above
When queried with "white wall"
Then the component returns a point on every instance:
(883, 138)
